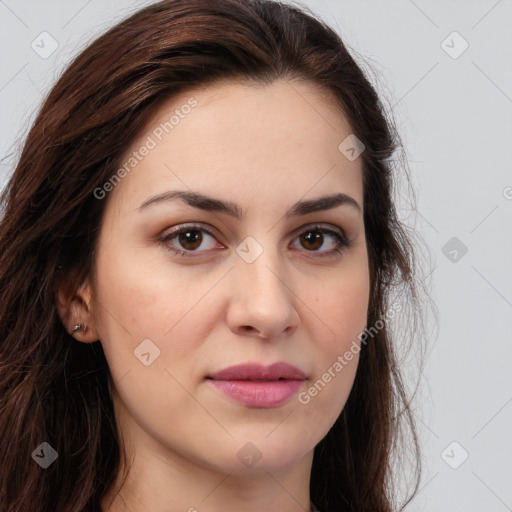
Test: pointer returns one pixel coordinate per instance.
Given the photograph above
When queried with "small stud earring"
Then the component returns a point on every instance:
(79, 327)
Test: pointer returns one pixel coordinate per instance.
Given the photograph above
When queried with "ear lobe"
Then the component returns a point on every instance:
(74, 309)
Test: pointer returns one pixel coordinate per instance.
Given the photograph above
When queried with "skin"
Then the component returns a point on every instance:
(264, 148)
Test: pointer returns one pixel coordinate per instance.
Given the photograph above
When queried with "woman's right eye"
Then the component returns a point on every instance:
(190, 238)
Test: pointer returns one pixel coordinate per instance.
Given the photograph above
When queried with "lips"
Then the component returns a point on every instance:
(258, 372)
(255, 385)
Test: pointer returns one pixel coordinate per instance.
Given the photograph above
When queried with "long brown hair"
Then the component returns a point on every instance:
(56, 390)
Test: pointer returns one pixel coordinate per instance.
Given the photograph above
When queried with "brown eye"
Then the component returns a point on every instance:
(312, 240)
(187, 240)
(190, 239)
(318, 236)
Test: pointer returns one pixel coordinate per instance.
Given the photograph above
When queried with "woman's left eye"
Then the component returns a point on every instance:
(315, 236)
(191, 238)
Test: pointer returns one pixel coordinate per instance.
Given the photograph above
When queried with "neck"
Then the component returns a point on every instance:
(161, 486)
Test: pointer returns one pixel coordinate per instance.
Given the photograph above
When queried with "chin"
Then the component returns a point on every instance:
(263, 455)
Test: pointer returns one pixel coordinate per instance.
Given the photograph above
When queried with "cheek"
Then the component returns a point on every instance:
(339, 317)
(339, 351)
(337, 362)
(149, 303)
(343, 310)
(345, 316)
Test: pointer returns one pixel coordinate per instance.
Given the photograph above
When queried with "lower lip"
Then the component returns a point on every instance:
(259, 394)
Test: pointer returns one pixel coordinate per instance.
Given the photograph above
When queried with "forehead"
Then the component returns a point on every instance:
(246, 137)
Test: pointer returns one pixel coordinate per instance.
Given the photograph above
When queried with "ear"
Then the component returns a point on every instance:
(74, 307)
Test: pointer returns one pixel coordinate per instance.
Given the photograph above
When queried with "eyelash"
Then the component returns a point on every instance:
(342, 242)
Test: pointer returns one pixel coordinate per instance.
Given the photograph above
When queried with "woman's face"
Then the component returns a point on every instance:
(266, 285)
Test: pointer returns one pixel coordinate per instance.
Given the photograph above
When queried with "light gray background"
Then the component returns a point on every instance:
(454, 115)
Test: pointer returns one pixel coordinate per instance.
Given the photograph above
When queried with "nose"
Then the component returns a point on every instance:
(263, 303)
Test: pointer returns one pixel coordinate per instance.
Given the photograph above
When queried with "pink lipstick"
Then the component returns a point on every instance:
(256, 385)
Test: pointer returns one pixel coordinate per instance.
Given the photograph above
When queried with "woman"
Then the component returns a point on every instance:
(199, 251)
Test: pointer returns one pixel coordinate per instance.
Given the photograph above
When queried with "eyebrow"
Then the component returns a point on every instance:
(211, 204)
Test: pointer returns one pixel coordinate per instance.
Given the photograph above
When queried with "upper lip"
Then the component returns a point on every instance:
(256, 371)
